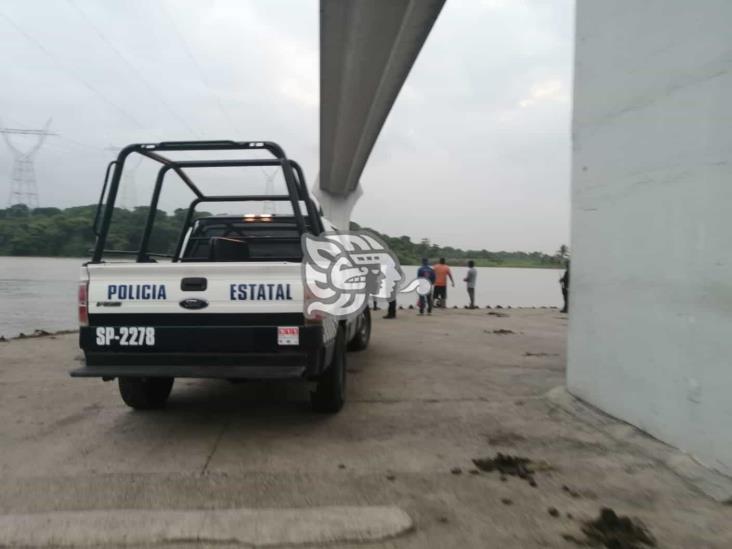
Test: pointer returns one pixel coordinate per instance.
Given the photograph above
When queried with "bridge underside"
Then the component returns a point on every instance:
(367, 49)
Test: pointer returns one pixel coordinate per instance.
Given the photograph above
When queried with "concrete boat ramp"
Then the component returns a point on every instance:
(250, 465)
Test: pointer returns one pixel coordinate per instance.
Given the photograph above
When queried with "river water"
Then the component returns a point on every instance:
(40, 292)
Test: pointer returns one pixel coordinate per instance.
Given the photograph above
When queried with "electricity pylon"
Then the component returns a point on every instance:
(23, 187)
(269, 205)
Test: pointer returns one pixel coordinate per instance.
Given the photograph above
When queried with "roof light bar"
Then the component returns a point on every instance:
(264, 218)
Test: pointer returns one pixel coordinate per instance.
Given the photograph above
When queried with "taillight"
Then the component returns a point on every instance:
(84, 303)
(315, 317)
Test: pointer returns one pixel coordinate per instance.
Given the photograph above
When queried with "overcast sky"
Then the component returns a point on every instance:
(475, 152)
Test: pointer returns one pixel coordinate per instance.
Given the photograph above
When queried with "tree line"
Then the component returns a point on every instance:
(56, 232)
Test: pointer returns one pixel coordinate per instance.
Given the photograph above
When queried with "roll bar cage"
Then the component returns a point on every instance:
(294, 180)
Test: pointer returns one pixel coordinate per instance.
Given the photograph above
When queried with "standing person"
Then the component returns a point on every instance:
(391, 311)
(564, 281)
(425, 271)
(442, 273)
(470, 282)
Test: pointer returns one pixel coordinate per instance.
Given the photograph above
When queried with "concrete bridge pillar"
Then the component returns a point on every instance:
(651, 284)
(338, 207)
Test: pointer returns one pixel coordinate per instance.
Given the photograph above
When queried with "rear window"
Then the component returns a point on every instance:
(236, 240)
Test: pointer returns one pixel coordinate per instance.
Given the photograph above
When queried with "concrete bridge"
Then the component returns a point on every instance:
(367, 49)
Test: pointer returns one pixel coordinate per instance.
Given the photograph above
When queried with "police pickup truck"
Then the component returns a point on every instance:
(226, 302)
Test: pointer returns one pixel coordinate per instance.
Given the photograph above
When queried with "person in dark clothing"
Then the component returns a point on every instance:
(564, 281)
(391, 311)
(425, 271)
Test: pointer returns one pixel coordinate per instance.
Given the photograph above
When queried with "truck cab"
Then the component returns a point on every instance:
(227, 302)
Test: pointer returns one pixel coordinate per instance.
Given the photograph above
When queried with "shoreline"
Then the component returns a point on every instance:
(454, 265)
(47, 257)
(39, 332)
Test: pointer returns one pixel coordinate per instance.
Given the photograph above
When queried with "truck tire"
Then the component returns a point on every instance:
(330, 393)
(145, 393)
(360, 339)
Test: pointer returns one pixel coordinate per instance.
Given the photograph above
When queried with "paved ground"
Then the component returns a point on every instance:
(429, 395)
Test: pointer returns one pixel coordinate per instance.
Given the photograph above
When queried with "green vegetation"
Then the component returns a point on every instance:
(411, 253)
(68, 233)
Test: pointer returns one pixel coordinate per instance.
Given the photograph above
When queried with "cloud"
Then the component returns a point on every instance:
(475, 152)
(550, 90)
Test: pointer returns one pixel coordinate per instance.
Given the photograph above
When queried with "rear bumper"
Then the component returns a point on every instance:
(209, 371)
(231, 352)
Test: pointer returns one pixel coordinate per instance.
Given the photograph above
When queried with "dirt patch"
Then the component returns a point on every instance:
(614, 531)
(500, 331)
(505, 464)
(37, 333)
(574, 539)
(494, 313)
(527, 353)
(504, 438)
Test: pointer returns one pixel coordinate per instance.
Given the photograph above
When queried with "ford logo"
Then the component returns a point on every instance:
(194, 304)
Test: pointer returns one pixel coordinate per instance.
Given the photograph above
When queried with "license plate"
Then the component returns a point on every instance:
(126, 336)
(288, 335)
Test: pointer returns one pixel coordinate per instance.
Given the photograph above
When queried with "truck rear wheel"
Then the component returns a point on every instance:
(330, 394)
(360, 339)
(145, 393)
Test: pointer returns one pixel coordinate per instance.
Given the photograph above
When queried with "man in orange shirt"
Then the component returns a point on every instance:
(442, 273)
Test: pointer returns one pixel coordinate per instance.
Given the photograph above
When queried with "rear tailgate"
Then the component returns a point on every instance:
(194, 314)
(230, 288)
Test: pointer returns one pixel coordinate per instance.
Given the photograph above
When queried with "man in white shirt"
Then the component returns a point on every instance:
(470, 282)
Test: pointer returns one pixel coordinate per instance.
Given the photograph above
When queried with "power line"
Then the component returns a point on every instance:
(133, 69)
(201, 74)
(20, 131)
(84, 82)
(224, 112)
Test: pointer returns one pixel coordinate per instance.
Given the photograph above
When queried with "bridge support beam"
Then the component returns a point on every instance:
(367, 49)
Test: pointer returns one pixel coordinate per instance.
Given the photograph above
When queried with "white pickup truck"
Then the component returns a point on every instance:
(226, 303)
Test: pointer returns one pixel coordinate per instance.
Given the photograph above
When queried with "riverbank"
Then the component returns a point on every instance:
(36, 334)
(430, 396)
(451, 262)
